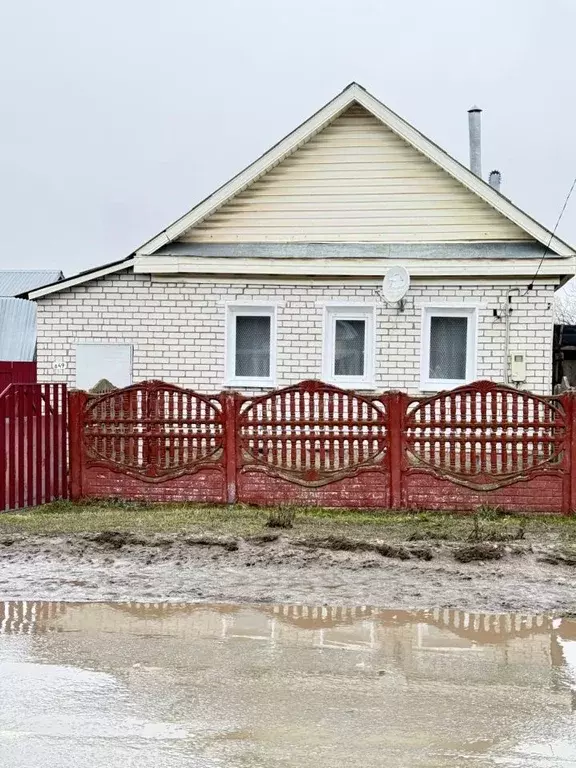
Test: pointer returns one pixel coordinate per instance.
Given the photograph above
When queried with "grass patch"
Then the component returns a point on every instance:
(283, 517)
(61, 518)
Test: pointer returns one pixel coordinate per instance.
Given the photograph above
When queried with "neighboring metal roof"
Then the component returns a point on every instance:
(17, 329)
(16, 281)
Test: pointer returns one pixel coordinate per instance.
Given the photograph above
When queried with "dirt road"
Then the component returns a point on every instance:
(275, 568)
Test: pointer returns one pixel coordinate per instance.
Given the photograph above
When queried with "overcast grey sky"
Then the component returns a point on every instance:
(117, 116)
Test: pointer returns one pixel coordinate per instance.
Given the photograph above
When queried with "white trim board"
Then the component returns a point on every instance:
(84, 277)
(366, 282)
(187, 265)
(354, 93)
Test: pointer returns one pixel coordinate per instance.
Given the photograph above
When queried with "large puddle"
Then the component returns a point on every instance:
(133, 684)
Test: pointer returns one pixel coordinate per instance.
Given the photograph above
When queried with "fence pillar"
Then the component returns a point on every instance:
(569, 487)
(230, 407)
(76, 409)
(396, 412)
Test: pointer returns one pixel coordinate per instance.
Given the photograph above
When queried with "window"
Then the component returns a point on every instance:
(95, 362)
(448, 347)
(349, 346)
(250, 358)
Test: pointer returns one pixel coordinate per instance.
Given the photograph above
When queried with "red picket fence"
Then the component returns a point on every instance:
(315, 444)
(33, 445)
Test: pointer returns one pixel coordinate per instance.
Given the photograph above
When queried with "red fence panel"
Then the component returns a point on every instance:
(33, 445)
(151, 441)
(489, 444)
(16, 373)
(315, 444)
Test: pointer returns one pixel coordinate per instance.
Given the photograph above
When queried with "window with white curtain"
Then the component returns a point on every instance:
(348, 358)
(251, 342)
(448, 347)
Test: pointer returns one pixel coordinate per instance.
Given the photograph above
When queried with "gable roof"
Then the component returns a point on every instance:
(355, 94)
(16, 281)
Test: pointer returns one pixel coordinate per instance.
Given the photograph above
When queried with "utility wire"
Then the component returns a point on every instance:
(547, 247)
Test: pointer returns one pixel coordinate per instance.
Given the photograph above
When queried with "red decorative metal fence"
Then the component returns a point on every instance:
(315, 444)
(33, 445)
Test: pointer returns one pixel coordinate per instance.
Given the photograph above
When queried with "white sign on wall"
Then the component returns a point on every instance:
(112, 362)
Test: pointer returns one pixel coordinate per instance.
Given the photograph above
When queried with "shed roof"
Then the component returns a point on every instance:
(16, 281)
(17, 329)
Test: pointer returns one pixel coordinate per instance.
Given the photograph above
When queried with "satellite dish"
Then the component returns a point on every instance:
(395, 284)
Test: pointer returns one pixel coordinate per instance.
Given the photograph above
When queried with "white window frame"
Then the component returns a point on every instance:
(332, 313)
(428, 384)
(248, 310)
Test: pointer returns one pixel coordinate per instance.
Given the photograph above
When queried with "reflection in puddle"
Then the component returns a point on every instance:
(169, 685)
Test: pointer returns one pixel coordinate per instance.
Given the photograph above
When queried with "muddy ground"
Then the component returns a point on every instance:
(525, 576)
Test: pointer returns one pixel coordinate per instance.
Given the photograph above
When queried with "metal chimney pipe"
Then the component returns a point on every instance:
(474, 127)
(495, 179)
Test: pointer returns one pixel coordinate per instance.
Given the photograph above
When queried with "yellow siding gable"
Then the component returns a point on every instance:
(355, 181)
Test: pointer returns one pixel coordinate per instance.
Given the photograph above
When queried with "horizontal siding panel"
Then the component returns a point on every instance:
(346, 187)
(386, 217)
(328, 204)
(377, 238)
(355, 181)
(373, 227)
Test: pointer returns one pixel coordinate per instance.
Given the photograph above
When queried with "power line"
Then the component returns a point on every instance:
(547, 247)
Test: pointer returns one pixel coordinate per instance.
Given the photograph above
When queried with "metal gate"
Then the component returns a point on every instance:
(33, 445)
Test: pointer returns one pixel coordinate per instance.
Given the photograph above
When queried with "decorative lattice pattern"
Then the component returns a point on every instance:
(153, 429)
(485, 431)
(313, 431)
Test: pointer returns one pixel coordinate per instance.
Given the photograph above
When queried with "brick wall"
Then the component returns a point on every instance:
(177, 328)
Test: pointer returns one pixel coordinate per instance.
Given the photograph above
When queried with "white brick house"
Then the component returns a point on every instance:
(277, 276)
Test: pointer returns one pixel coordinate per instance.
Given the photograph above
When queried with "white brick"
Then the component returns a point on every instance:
(178, 329)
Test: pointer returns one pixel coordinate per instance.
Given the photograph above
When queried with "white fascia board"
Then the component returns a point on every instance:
(80, 279)
(186, 265)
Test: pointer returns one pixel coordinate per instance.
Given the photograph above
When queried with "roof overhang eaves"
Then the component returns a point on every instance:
(79, 279)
